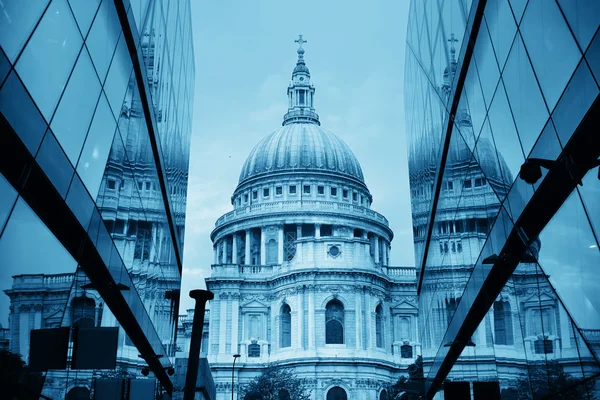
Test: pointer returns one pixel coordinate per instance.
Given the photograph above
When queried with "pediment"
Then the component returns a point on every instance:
(536, 298)
(254, 304)
(405, 306)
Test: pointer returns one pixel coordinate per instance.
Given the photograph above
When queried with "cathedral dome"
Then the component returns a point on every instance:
(301, 148)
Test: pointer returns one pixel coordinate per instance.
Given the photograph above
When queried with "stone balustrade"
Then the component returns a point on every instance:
(300, 205)
(21, 282)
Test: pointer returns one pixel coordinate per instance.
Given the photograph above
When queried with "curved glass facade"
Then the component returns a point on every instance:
(507, 250)
(95, 112)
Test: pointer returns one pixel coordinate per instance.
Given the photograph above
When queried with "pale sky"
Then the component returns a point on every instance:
(245, 54)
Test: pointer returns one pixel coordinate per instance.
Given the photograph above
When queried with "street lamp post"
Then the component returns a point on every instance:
(235, 357)
(201, 297)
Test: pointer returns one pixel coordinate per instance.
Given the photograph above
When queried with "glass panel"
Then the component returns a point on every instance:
(8, 195)
(4, 67)
(506, 140)
(583, 17)
(569, 254)
(553, 51)
(590, 193)
(501, 24)
(526, 102)
(20, 112)
(103, 36)
(487, 66)
(79, 201)
(97, 146)
(23, 230)
(55, 44)
(72, 119)
(84, 11)
(593, 56)
(518, 6)
(118, 77)
(17, 23)
(575, 102)
(55, 164)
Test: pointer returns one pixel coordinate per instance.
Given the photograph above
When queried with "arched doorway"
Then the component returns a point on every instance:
(337, 393)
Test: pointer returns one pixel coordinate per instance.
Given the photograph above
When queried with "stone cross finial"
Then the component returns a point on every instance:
(300, 41)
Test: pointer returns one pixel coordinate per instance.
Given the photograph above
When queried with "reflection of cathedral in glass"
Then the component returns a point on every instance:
(463, 215)
(301, 270)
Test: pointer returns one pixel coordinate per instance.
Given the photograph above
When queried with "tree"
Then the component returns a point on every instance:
(276, 383)
(16, 382)
(546, 380)
(415, 375)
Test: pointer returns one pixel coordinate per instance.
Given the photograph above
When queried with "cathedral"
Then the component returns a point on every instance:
(301, 272)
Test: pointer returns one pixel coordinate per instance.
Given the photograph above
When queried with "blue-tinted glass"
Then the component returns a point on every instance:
(590, 193)
(80, 202)
(55, 164)
(526, 102)
(17, 22)
(97, 146)
(8, 195)
(583, 16)
(593, 56)
(4, 67)
(502, 27)
(552, 49)
(569, 254)
(20, 112)
(84, 11)
(574, 103)
(54, 45)
(102, 40)
(28, 247)
(118, 77)
(74, 113)
(504, 132)
(486, 64)
(518, 6)
(546, 147)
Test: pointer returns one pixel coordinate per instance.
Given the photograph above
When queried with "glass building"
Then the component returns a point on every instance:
(502, 112)
(95, 120)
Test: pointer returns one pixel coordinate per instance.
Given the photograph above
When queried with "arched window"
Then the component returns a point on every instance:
(84, 312)
(334, 322)
(336, 393)
(286, 326)
(379, 326)
(78, 393)
(383, 395)
(272, 251)
(255, 327)
(503, 329)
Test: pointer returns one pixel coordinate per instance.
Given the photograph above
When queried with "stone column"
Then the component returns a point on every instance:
(280, 246)
(376, 244)
(298, 230)
(263, 247)
(300, 317)
(368, 318)
(317, 231)
(247, 248)
(225, 250)
(235, 311)
(234, 256)
(359, 322)
(215, 253)
(222, 322)
(311, 317)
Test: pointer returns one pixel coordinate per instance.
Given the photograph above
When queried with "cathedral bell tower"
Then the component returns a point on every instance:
(301, 93)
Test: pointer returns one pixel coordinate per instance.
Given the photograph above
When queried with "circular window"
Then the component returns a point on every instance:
(301, 78)
(334, 251)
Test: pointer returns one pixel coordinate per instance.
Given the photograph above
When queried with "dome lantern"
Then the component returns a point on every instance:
(300, 93)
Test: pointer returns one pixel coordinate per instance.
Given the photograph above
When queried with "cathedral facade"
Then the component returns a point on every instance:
(301, 272)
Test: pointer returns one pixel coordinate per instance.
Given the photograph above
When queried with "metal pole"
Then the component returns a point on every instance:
(235, 357)
(201, 297)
